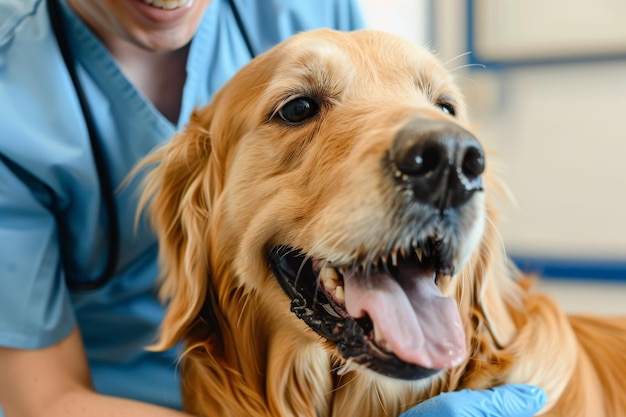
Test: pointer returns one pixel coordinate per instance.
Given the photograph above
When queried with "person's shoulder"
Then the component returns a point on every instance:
(13, 15)
(272, 21)
(25, 37)
(336, 14)
(31, 72)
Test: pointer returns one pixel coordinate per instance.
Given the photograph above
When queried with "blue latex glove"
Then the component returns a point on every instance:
(503, 401)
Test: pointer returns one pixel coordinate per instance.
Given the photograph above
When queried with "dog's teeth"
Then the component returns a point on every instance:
(377, 335)
(340, 295)
(331, 273)
(329, 277)
(394, 258)
(419, 253)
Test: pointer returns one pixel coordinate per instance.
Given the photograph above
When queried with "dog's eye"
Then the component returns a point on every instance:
(298, 110)
(446, 108)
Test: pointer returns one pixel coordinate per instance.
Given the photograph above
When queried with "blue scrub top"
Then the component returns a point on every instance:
(49, 198)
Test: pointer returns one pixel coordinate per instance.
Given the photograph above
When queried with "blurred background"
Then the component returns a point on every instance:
(546, 87)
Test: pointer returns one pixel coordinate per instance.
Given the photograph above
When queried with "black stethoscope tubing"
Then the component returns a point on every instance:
(104, 180)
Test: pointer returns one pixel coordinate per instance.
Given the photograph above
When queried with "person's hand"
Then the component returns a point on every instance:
(503, 401)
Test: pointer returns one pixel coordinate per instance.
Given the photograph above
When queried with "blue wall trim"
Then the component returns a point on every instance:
(475, 58)
(567, 268)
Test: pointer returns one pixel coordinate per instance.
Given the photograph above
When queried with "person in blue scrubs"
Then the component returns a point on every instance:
(78, 302)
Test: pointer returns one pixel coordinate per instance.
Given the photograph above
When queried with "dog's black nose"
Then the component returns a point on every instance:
(439, 161)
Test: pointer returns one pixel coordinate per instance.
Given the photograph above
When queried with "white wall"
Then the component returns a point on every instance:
(407, 18)
(558, 132)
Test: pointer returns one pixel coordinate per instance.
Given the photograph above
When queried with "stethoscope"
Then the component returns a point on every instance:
(104, 180)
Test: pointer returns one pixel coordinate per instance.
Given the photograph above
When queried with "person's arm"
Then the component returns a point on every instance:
(55, 381)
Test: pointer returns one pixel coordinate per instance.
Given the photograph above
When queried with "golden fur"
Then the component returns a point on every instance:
(234, 181)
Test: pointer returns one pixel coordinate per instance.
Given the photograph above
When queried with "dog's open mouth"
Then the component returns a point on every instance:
(388, 315)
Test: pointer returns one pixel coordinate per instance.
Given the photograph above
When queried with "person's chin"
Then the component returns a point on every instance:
(167, 41)
(163, 30)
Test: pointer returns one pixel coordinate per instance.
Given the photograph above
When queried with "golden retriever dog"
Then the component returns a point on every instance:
(328, 242)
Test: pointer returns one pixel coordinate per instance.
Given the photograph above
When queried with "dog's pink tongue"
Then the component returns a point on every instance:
(419, 324)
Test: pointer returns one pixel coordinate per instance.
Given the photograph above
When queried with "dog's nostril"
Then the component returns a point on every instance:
(421, 160)
(473, 164)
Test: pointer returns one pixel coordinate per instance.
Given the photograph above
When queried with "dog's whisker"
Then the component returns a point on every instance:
(291, 251)
(497, 231)
(336, 367)
(430, 46)
(472, 65)
(461, 289)
(302, 264)
(461, 55)
(341, 384)
(345, 368)
(316, 292)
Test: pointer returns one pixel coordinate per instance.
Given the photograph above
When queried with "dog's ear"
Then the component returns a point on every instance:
(180, 186)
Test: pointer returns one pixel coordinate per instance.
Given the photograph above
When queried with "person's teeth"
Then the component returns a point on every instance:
(167, 4)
